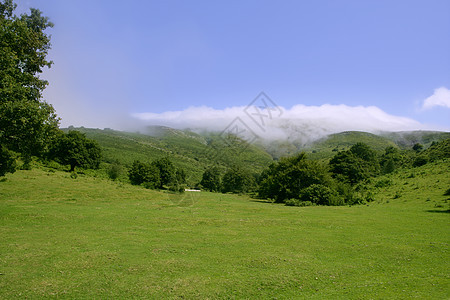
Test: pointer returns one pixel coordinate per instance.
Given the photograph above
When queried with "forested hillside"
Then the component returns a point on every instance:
(188, 150)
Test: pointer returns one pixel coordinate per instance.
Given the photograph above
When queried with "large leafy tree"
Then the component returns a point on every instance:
(159, 174)
(76, 150)
(26, 121)
(390, 160)
(167, 171)
(211, 180)
(7, 161)
(143, 173)
(354, 165)
(237, 180)
(288, 178)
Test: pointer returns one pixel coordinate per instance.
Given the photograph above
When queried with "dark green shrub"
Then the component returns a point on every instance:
(167, 171)
(238, 180)
(144, 173)
(417, 147)
(287, 178)
(447, 192)
(211, 180)
(383, 183)
(76, 150)
(397, 195)
(321, 195)
(355, 165)
(292, 202)
(420, 161)
(115, 170)
(7, 161)
(297, 202)
(150, 185)
(346, 191)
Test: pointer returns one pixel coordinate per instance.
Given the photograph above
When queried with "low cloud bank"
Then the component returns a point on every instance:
(306, 123)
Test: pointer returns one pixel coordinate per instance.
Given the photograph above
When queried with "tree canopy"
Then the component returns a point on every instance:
(26, 121)
(211, 180)
(238, 180)
(287, 178)
(76, 150)
(354, 165)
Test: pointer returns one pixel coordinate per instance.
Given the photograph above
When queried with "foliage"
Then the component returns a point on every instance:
(211, 179)
(187, 150)
(420, 161)
(237, 180)
(321, 195)
(76, 150)
(417, 147)
(26, 122)
(287, 178)
(438, 150)
(354, 165)
(447, 192)
(7, 161)
(115, 170)
(327, 147)
(390, 160)
(159, 174)
(167, 171)
(142, 173)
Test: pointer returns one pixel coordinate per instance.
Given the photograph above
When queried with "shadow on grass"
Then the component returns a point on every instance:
(447, 211)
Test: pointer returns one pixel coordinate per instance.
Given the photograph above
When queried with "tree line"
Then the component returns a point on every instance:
(300, 181)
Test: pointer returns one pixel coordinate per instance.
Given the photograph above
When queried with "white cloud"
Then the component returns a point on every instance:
(301, 122)
(440, 97)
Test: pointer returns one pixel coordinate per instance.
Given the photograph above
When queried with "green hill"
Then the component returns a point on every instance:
(194, 152)
(407, 139)
(327, 147)
(188, 150)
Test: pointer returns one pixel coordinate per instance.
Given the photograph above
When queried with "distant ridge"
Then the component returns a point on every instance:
(196, 151)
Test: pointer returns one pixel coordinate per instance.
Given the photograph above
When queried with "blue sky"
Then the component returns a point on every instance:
(118, 58)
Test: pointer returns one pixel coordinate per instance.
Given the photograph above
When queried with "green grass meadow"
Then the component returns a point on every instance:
(89, 238)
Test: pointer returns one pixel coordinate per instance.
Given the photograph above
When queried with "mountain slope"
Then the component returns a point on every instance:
(194, 152)
(406, 139)
(188, 150)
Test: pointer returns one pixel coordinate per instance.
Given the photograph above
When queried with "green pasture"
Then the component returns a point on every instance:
(89, 238)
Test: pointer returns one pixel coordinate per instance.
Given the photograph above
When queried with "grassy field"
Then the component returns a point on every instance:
(89, 238)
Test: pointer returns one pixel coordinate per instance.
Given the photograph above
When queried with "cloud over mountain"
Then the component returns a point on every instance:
(299, 122)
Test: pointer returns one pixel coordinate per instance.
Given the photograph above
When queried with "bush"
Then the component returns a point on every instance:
(420, 161)
(447, 192)
(7, 161)
(397, 195)
(321, 195)
(354, 165)
(238, 180)
(142, 173)
(76, 150)
(115, 170)
(287, 178)
(383, 183)
(297, 202)
(211, 180)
